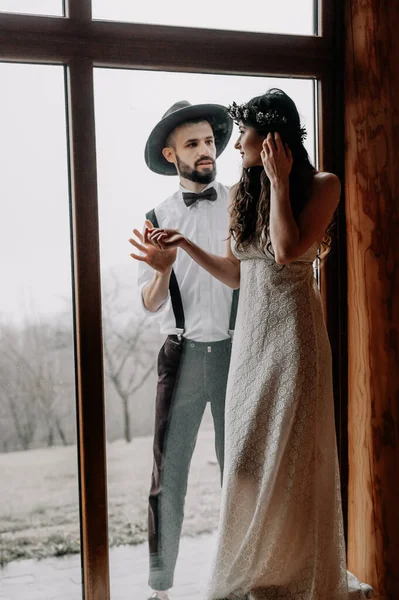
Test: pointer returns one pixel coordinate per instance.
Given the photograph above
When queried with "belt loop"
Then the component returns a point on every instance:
(231, 333)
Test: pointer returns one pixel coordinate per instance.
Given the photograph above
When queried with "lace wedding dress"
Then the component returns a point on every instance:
(280, 532)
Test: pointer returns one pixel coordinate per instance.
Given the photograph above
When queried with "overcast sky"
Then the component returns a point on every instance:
(34, 224)
(284, 16)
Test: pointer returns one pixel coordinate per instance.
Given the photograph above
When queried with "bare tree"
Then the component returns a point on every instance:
(129, 356)
(14, 391)
(31, 358)
(37, 375)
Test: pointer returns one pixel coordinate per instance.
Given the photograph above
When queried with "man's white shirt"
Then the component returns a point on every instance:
(206, 301)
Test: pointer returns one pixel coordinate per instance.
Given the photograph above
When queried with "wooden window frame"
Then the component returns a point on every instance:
(80, 44)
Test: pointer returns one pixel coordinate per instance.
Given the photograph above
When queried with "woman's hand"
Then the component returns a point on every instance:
(277, 159)
(165, 239)
(151, 254)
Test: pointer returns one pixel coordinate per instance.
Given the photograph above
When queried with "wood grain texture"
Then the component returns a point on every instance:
(88, 332)
(51, 39)
(372, 215)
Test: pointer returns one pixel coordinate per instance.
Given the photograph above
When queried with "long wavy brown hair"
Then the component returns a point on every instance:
(250, 211)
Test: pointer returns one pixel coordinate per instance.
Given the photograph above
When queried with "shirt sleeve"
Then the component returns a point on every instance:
(145, 275)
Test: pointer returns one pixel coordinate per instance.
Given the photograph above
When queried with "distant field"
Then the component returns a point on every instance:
(39, 514)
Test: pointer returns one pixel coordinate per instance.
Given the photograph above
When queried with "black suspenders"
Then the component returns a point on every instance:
(233, 312)
(175, 295)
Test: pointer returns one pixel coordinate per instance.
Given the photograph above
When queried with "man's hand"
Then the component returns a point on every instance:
(160, 260)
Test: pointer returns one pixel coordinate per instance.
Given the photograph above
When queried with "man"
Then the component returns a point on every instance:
(198, 315)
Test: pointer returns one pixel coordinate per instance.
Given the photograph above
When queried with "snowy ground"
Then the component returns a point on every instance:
(60, 578)
(39, 513)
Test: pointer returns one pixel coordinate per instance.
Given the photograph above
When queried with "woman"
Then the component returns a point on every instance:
(280, 533)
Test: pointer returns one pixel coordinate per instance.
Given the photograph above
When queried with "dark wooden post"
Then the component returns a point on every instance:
(87, 300)
(372, 214)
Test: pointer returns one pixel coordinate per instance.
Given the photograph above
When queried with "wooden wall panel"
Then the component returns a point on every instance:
(372, 215)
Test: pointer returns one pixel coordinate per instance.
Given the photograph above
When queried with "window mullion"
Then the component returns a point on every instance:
(88, 330)
(78, 10)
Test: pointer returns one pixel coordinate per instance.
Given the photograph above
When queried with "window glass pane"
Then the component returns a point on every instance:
(53, 8)
(286, 16)
(128, 105)
(39, 509)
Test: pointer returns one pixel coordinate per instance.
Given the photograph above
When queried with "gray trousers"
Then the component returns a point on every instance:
(201, 378)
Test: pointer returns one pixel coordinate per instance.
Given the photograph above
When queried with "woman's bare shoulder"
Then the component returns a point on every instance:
(323, 179)
(326, 186)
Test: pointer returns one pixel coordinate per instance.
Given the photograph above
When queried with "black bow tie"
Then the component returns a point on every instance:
(191, 198)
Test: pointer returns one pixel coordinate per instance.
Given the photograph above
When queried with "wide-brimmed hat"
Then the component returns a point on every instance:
(179, 113)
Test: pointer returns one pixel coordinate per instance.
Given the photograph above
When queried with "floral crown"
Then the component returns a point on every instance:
(271, 118)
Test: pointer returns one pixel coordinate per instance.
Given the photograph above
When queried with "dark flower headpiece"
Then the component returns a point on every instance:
(270, 119)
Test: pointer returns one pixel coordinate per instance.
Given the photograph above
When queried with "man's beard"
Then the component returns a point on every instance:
(193, 175)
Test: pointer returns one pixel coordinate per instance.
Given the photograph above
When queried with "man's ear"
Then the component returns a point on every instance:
(169, 154)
